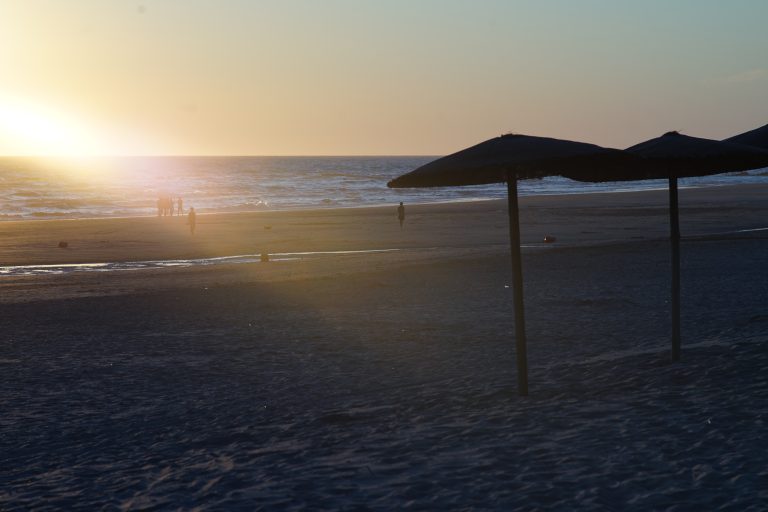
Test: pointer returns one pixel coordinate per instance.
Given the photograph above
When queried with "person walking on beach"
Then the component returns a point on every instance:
(191, 220)
(401, 214)
(181, 204)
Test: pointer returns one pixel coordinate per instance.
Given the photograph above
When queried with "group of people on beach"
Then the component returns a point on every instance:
(167, 206)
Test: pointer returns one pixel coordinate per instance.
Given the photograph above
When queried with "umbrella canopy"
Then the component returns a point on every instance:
(757, 137)
(510, 158)
(674, 155)
(525, 156)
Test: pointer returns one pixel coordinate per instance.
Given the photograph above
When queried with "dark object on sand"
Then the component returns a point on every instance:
(63, 245)
(510, 158)
(267, 227)
(550, 239)
(757, 137)
(674, 156)
(265, 257)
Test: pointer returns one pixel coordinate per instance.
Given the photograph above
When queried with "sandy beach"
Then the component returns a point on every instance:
(372, 368)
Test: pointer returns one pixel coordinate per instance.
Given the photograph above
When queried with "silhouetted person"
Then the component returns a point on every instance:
(170, 206)
(159, 206)
(401, 214)
(191, 220)
(181, 207)
(163, 202)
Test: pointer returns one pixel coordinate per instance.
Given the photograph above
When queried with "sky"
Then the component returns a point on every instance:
(364, 77)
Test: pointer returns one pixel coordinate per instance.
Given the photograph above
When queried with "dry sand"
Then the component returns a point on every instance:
(384, 381)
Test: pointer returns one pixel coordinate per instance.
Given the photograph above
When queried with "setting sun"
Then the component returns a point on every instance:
(38, 130)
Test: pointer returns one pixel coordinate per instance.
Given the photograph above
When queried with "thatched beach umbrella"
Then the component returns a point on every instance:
(510, 158)
(757, 137)
(674, 156)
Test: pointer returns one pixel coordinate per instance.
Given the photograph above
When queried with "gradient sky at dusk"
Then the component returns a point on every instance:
(335, 77)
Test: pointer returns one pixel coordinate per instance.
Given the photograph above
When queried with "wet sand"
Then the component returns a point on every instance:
(385, 381)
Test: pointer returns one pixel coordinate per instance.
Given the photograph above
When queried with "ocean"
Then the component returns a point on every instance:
(130, 186)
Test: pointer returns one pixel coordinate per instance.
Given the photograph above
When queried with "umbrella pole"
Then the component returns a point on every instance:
(674, 236)
(517, 285)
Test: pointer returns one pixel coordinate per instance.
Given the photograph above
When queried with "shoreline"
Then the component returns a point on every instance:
(571, 218)
(433, 233)
(382, 205)
(238, 259)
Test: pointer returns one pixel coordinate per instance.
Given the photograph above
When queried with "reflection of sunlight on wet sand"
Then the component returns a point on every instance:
(139, 265)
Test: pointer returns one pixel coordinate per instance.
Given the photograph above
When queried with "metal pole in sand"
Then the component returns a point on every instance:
(517, 285)
(674, 235)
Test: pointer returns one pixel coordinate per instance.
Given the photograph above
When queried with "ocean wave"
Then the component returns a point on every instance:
(55, 204)
(50, 214)
(229, 184)
(240, 207)
(27, 193)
